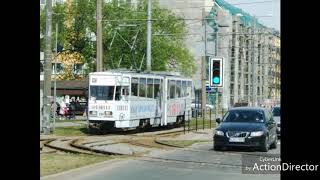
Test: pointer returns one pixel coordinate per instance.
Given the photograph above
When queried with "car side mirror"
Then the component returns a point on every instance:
(218, 120)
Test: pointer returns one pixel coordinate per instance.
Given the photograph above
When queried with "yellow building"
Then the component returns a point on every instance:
(67, 66)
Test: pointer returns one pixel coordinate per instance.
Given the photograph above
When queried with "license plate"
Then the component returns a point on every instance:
(101, 114)
(236, 139)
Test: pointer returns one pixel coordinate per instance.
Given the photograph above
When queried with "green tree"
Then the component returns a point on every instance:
(58, 16)
(124, 35)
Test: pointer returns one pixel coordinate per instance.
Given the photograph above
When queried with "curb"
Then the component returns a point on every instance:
(169, 132)
(165, 144)
(48, 139)
(73, 144)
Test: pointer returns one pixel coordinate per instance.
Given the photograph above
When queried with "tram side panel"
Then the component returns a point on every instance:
(176, 108)
(178, 99)
(142, 108)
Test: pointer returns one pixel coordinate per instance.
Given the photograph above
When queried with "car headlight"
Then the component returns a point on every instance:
(256, 133)
(219, 133)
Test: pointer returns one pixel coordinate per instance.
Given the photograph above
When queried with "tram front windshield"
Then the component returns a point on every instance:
(101, 92)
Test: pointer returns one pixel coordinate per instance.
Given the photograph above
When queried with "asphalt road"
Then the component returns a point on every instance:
(197, 162)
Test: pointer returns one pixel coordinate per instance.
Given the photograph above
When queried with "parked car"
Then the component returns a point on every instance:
(246, 127)
(277, 118)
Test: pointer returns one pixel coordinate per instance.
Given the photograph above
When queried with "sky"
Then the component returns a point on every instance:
(264, 8)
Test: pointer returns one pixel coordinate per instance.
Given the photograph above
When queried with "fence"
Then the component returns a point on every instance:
(200, 119)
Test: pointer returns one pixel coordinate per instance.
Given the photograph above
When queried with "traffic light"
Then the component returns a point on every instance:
(216, 72)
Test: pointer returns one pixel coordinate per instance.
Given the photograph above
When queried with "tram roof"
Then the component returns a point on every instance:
(153, 73)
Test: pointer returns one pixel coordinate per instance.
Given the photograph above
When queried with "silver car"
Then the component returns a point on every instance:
(277, 118)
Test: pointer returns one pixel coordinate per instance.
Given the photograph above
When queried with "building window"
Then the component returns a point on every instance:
(41, 66)
(78, 69)
(59, 69)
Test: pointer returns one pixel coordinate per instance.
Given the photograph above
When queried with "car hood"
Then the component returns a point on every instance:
(276, 119)
(234, 126)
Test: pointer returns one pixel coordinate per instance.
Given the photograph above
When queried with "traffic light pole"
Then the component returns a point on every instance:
(216, 53)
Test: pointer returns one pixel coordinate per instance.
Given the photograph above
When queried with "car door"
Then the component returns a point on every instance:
(271, 125)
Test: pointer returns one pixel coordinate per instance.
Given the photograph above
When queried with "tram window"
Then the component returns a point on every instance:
(101, 92)
(134, 86)
(142, 87)
(122, 93)
(150, 88)
(156, 88)
(178, 89)
(189, 88)
(172, 89)
(184, 89)
(168, 90)
(118, 93)
(125, 91)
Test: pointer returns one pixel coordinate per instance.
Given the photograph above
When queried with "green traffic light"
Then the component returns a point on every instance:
(216, 80)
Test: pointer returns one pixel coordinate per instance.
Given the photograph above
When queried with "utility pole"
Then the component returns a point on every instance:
(55, 81)
(99, 60)
(149, 36)
(47, 70)
(203, 66)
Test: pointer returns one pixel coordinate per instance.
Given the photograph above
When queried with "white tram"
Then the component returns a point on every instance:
(128, 100)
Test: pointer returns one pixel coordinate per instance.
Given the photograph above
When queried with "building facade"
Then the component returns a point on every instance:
(194, 12)
(252, 58)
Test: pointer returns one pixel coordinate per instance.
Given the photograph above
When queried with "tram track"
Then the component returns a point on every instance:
(79, 147)
(73, 145)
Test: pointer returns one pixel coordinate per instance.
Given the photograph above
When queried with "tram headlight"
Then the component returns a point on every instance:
(108, 113)
(93, 113)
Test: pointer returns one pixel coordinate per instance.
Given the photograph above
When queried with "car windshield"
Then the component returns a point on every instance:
(244, 116)
(276, 111)
(102, 92)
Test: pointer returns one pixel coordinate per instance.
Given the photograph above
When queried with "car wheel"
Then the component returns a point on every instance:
(265, 146)
(274, 144)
